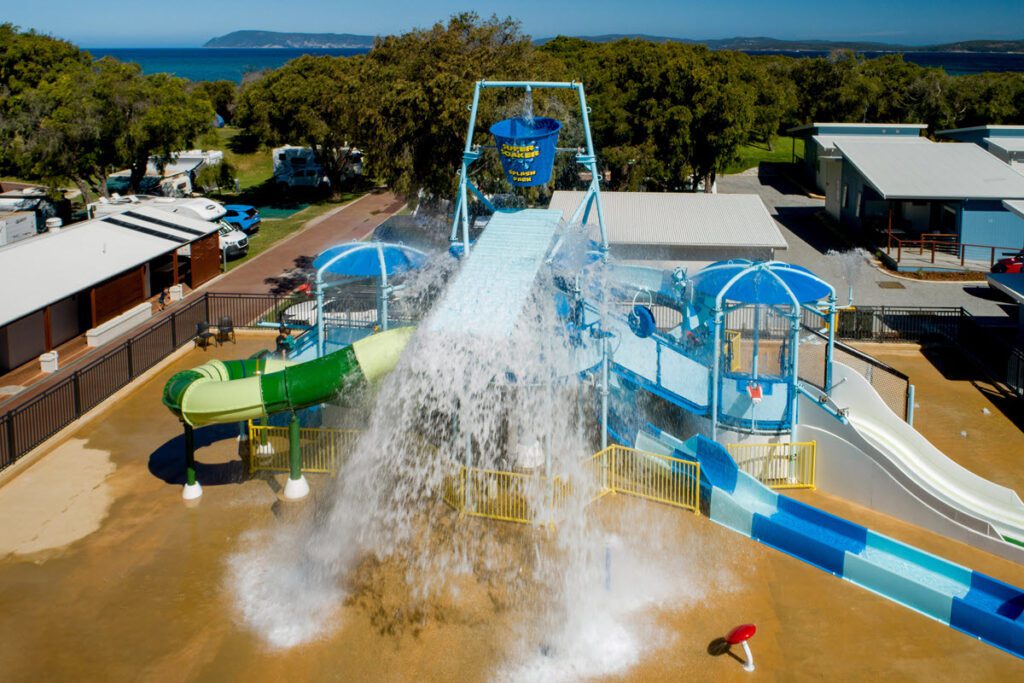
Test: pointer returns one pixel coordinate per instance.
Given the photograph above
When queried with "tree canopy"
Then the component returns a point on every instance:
(67, 117)
(663, 115)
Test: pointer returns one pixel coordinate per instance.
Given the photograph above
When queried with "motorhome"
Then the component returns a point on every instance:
(298, 167)
(233, 242)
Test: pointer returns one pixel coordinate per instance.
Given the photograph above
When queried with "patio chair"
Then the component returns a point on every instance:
(204, 336)
(226, 330)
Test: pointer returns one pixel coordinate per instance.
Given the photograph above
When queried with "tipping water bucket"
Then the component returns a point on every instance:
(527, 149)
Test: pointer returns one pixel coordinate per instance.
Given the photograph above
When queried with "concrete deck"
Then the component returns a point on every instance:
(105, 574)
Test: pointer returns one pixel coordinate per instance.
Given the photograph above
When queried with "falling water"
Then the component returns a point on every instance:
(497, 403)
(528, 105)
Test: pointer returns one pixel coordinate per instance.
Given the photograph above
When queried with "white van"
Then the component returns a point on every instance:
(233, 242)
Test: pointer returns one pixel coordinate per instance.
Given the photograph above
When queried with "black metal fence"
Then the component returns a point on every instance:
(28, 423)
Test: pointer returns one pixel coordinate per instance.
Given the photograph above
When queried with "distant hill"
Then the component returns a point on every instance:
(272, 39)
(763, 43)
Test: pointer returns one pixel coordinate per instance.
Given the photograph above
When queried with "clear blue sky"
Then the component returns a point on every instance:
(182, 23)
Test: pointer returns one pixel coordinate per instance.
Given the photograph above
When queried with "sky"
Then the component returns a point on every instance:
(187, 23)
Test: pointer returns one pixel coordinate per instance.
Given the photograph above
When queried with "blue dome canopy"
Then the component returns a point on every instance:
(761, 282)
(368, 259)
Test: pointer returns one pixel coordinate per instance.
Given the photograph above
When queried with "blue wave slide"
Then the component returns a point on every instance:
(969, 601)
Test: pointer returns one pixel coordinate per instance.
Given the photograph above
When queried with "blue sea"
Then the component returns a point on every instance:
(209, 64)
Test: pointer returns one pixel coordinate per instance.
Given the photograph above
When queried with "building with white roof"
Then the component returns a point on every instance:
(1006, 143)
(679, 226)
(822, 157)
(59, 284)
(949, 191)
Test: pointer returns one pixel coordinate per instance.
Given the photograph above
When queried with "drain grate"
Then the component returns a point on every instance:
(890, 284)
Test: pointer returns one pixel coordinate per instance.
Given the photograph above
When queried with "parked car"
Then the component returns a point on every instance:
(244, 217)
(1014, 263)
(233, 242)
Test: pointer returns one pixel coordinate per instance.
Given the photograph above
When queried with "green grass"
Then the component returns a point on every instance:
(751, 155)
(253, 168)
(273, 231)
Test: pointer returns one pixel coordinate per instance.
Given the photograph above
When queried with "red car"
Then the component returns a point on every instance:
(1010, 264)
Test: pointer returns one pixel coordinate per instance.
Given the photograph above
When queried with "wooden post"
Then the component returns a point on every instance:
(92, 305)
(174, 265)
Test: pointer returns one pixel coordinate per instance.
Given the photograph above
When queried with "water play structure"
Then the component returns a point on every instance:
(725, 368)
(239, 390)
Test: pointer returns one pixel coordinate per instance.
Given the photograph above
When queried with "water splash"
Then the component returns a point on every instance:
(496, 403)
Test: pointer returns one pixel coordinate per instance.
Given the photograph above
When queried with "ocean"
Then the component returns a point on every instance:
(209, 64)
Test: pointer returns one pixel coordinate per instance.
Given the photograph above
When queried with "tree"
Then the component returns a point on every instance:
(310, 100)
(221, 95)
(415, 87)
(94, 119)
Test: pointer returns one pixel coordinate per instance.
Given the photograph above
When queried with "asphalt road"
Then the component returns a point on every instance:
(810, 244)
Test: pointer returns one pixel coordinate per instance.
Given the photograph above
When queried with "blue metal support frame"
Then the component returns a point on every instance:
(470, 153)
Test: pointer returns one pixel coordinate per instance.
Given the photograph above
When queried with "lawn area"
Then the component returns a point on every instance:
(750, 156)
(253, 168)
(274, 230)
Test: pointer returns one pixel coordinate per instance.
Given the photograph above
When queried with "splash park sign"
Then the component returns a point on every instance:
(526, 148)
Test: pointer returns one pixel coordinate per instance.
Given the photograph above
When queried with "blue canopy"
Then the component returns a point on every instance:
(368, 259)
(761, 282)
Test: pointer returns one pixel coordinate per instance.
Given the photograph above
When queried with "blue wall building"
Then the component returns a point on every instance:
(950, 193)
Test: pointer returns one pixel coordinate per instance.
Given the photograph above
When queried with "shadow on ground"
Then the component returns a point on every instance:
(168, 461)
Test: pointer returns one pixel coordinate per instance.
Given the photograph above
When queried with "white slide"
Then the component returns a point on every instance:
(882, 462)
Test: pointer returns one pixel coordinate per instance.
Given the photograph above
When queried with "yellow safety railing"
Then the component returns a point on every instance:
(732, 347)
(522, 498)
(777, 465)
(656, 477)
(323, 450)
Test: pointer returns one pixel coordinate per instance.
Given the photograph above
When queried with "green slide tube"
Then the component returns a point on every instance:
(238, 390)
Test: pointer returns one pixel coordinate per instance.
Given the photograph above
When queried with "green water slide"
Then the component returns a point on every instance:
(237, 390)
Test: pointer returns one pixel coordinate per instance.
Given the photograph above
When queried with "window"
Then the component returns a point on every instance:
(856, 209)
(846, 195)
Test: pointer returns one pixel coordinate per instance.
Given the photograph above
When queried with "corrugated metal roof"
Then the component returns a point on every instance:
(952, 170)
(1015, 205)
(828, 142)
(679, 219)
(493, 285)
(42, 270)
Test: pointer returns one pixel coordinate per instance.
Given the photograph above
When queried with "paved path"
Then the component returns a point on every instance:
(809, 243)
(272, 271)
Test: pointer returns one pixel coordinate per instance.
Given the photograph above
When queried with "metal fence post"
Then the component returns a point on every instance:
(76, 393)
(12, 454)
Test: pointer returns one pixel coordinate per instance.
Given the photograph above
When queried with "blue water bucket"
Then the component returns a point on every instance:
(527, 149)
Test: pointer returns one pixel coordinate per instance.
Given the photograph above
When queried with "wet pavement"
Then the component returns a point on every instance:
(114, 578)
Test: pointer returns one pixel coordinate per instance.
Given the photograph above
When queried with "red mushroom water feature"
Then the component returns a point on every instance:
(739, 636)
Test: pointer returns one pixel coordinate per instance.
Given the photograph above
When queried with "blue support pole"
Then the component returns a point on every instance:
(716, 370)
(830, 349)
(604, 391)
(910, 405)
(794, 381)
(321, 343)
